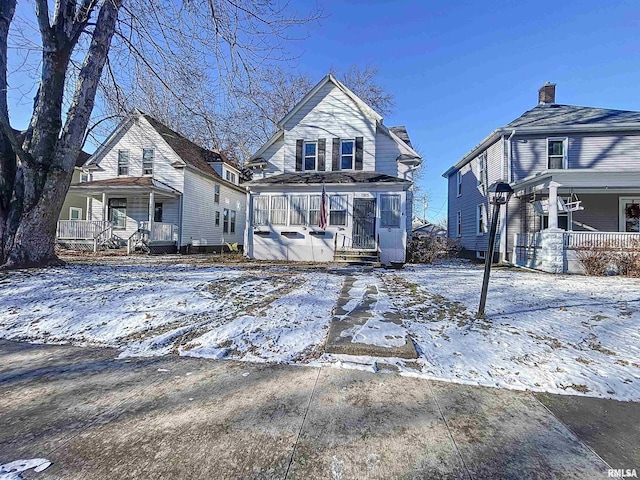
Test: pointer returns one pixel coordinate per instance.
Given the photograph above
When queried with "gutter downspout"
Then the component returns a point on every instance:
(504, 211)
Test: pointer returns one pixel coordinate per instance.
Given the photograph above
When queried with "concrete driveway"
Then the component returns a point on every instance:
(174, 417)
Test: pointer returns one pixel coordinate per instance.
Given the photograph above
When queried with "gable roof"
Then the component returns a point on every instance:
(401, 137)
(554, 118)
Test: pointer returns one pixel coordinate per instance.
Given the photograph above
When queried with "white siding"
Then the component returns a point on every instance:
(329, 114)
(138, 136)
(199, 210)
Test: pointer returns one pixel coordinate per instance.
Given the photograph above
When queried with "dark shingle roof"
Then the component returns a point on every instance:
(189, 152)
(82, 158)
(401, 133)
(553, 115)
(327, 177)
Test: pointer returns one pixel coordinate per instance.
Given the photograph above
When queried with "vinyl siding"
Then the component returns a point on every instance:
(387, 151)
(138, 136)
(472, 196)
(76, 201)
(598, 151)
(199, 210)
(329, 114)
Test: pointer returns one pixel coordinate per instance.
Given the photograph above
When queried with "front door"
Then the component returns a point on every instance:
(630, 214)
(364, 223)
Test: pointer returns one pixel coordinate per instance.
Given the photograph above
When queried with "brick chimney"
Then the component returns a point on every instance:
(547, 94)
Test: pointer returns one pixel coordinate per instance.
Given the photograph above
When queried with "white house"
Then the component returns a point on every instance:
(149, 186)
(335, 142)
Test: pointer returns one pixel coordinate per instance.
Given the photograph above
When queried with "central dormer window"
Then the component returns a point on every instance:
(231, 177)
(310, 155)
(347, 152)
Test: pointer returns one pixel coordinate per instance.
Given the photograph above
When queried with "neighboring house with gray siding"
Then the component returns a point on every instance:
(147, 184)
(332, 142)
(587, 158)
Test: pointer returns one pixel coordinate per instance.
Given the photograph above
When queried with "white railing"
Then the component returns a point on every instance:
(80, 229)
(344, 242)
(606, 240)
(160, 232)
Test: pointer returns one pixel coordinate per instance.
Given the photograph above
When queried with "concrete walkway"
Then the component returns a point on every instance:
(169, 417)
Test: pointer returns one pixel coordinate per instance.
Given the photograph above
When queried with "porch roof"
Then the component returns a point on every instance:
(299, 178)
(124, 185)
(584, 178)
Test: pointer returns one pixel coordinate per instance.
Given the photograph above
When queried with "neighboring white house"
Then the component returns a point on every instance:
(332, 140)
(149, 185)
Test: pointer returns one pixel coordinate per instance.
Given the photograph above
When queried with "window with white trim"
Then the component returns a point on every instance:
(556, 153)
(216, 193)
(310, 152)
(482, 170)
(225, 220)
(298, 210)
(232, 219)
(231, 177)
(260, 210)
(278, 210)
(314, 210)
(390, 211)
(84, 177)
(458, 183)
(347, 152)
(338, 210)
(217, 218)
(481, 219)
(123, 163)
(147, 161)
(75, 213)
(459, 224)
(118, 212)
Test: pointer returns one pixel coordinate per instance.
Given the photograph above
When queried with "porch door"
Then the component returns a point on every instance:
(364, 223)
(630, 214)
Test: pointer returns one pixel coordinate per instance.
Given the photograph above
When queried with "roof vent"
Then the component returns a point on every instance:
(547, 94)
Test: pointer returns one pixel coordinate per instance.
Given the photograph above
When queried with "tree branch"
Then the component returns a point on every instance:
(42, 13)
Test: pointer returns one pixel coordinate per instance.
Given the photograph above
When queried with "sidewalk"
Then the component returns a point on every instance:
(171, 417)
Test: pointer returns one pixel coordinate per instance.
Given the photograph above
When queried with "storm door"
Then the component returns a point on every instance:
(364, 223)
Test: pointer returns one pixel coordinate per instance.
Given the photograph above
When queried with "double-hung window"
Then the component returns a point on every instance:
(260, 210)
(347, 149)
(123, 163)
(216, 193)
(157, 212)
(556, 153)
(338, 210)
(279, 210)
(310, 155)
(232, 221)
(482, 170)
(481, 219)
(147, 161)
(458, 183)
(225, 220)
(459, 224)
(231, 177)
(217, 218)
(298, 210)
(314, 210)
(390, 211)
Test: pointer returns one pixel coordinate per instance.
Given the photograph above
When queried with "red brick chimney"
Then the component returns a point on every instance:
(547, 94)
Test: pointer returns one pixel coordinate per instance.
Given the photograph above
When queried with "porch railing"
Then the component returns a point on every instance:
(605, 240)
(344, 242)
(160, 232)
(80, 229)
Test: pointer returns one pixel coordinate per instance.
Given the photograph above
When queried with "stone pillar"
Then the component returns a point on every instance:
(552, 250)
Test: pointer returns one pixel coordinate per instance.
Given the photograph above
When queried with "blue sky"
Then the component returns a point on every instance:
(460, 69)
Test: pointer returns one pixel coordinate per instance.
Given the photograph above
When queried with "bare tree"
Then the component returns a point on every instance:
(197, 41)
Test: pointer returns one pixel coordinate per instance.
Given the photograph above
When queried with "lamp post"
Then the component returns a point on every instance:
(499, 194)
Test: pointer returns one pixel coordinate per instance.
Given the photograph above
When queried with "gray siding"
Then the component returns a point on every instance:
(600, 212)
(610, 151)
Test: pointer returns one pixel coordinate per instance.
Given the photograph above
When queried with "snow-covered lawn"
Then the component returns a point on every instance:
(562, 334)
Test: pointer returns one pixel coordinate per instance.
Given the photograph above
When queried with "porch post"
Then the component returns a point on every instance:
(152, 207)
(553, 205)
(104, 207)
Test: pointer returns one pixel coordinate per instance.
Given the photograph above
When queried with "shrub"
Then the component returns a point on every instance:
(595, 259)
(424, 248)
(627, 261)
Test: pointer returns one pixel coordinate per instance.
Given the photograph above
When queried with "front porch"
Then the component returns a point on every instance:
(563, 213)
(132, 213)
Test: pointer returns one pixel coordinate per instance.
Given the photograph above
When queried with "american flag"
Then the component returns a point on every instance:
(323, 210)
